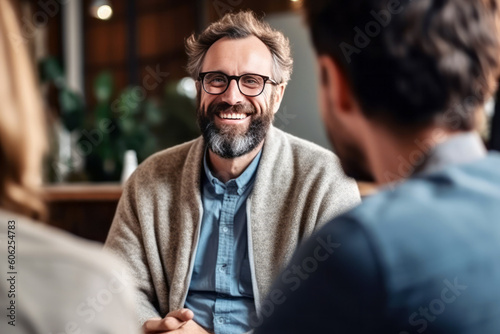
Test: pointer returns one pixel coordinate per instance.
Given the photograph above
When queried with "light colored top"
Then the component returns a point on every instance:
(298, 187)
(220, 294)
(53, 282)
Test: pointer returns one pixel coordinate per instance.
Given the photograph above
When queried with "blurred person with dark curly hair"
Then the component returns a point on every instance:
(401, 83)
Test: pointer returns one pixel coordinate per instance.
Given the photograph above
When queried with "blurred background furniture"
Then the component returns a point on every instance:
(86, 210)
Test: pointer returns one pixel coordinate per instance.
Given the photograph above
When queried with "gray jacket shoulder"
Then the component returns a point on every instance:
(67, 270)
(169, 160)
(60, 247)
(309, 155)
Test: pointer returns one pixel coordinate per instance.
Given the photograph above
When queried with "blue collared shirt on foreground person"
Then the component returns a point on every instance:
(419, 257)
(220, 293)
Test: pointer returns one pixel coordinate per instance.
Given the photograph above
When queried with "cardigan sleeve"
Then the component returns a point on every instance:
(341, 196)
(126, 240)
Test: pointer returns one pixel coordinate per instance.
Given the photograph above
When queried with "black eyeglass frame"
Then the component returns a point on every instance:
(237, 78)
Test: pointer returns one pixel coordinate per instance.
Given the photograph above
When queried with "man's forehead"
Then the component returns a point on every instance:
(237, 56)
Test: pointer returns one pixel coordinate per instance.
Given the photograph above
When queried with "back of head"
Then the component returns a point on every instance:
(413, 62)
(22, 130)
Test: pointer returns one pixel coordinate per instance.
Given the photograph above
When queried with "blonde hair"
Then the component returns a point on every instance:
(22, 124)
(241, 25)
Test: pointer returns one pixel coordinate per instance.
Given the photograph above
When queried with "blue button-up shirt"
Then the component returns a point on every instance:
(220, 293)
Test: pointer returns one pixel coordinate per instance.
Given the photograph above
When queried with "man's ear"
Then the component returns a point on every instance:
(335, 88)
(278, 96)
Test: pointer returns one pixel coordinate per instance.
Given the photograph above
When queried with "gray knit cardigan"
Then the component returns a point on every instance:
(299, 186)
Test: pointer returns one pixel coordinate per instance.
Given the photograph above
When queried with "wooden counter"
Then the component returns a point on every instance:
(86, 210)
(83, 192)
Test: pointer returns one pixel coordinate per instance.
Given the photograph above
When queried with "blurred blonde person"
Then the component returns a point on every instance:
(51, 282)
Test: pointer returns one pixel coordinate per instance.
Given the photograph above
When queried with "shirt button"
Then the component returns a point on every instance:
(220, 320)
(225, 229)
(223, 268)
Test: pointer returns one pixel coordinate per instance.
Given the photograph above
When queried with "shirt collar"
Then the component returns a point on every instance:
(241, 183)
(458, 149)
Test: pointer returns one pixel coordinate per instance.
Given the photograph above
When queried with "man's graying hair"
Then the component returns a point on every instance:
(236, 26)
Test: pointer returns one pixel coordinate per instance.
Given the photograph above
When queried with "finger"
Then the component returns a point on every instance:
(159, 325)
(171, 323)
(153, 325)
(190, 327)
(182, 315)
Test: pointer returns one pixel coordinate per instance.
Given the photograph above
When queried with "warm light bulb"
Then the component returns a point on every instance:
(104, 12)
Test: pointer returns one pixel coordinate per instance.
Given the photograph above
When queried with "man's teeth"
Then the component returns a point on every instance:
(233, 116)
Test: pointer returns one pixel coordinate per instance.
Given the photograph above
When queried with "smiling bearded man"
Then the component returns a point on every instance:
(205, 226)
(229, 141)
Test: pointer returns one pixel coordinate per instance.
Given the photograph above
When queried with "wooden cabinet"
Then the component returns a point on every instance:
(86, 210)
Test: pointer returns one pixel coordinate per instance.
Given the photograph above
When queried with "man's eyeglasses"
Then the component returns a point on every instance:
(251, 85)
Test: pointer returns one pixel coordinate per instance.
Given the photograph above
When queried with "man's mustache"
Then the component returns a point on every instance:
(217, 108)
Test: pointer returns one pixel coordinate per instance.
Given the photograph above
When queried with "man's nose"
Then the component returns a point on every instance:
(232, 95)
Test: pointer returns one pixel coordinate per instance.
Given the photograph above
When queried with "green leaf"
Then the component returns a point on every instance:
(103, 87)
(72, 109)
(51, 70)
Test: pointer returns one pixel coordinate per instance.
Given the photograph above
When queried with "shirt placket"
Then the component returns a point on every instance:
(225, 256)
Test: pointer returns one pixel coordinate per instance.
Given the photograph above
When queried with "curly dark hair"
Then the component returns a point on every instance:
(413, 61)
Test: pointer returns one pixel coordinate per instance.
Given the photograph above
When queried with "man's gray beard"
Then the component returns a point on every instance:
(228, 142)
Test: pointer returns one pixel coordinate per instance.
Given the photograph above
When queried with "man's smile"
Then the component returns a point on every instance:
(231, 117)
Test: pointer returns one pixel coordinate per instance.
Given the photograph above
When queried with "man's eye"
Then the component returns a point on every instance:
(218, 80)
(250, 81)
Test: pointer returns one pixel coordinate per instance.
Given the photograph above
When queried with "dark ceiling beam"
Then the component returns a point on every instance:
(201, 8)
(133, 72)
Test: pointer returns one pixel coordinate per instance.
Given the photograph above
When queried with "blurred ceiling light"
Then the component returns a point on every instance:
(187, 87)
(101, 9)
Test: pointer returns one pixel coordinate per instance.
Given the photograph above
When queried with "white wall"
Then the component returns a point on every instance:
(299, 113)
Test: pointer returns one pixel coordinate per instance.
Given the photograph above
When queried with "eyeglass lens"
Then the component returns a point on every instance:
(216, 83)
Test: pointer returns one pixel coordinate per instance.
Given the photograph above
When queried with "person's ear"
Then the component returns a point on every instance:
(278, 97)
(335, 88)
